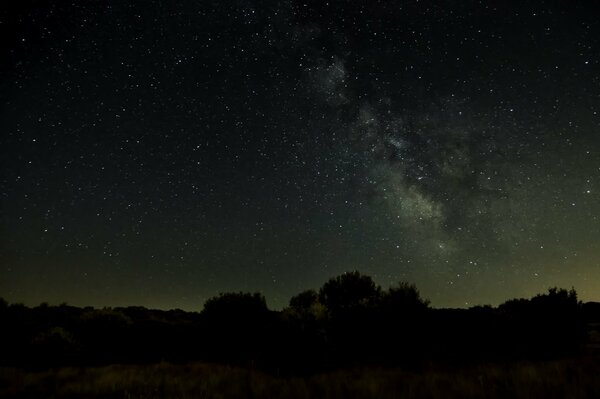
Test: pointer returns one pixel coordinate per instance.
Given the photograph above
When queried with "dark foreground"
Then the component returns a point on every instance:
(352, 339)
(570, 378)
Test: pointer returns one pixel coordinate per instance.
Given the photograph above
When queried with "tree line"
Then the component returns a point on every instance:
(350, 321)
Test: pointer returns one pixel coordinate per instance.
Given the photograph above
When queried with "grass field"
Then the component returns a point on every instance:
(573, 378)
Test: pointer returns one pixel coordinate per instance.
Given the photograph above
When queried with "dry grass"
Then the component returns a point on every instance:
(555, 379)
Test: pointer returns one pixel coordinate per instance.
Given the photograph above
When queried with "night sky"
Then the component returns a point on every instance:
(157, 153)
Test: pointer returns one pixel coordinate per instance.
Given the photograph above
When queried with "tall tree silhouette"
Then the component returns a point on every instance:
(348, 293)
(350, 300)
(236, 326)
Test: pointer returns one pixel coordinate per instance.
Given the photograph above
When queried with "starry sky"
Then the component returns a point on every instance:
(159, 152)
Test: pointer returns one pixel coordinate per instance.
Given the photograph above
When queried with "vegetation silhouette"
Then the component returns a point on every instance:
(350, 321)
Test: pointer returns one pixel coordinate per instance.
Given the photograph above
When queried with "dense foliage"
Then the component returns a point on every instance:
(349, 321)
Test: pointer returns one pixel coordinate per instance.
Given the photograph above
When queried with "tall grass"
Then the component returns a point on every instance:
(577, 378)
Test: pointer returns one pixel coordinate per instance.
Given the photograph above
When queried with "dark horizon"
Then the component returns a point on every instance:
(287, 305)
(348, 338)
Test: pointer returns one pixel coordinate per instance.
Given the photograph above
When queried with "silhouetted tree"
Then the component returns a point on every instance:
(348, 293)
(3, 304)
(305, 322)
(306, 306)
(404, 297)
(236, 327)
(547, 324)
(237, 305)
(351, 300)
(557, 299)
(399, 323)
(304, 300)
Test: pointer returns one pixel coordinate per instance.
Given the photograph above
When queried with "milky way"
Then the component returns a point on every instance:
(158, 153)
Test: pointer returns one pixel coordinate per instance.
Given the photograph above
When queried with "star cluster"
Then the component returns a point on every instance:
(157, 153)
